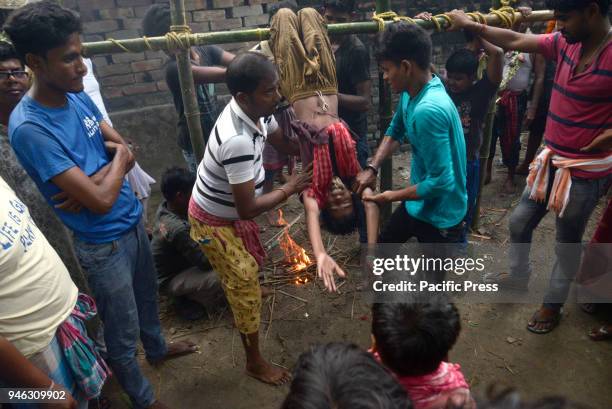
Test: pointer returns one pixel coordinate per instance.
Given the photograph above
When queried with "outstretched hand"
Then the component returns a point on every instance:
(326, 268)
(299, 181)
(378, 198)
(365, 178)
(459, 20)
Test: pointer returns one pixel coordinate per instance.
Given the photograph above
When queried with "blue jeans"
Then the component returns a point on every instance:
(472, 185)
(192, 162)
(584, 195)
(123, 281)
(363, 150)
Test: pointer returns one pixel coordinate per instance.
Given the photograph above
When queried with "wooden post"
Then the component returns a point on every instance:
(190, 102)
(385, 113)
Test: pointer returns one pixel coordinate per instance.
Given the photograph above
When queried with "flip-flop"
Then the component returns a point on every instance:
(600, 334)
(588, 307)
(552, 321)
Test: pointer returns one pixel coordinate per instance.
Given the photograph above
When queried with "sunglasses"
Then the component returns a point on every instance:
(19, 74)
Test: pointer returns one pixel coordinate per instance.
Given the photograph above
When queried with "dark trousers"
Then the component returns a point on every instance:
(401, 227)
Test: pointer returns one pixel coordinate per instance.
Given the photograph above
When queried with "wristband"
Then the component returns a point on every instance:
(373, 169)
(284, 192)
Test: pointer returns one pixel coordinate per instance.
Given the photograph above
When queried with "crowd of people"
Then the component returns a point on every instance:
(297, 97)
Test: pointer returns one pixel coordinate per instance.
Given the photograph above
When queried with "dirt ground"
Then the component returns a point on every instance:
(494, 346)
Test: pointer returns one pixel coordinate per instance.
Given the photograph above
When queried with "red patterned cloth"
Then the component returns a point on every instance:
(314, 147)
(433, 390)
(508, 101)
(247, 230)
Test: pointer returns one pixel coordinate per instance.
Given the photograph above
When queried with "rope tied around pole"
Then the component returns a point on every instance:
(389, 15)
(437, 24)
(506, 15)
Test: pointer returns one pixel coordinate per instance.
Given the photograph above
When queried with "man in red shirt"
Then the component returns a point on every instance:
(580, 111)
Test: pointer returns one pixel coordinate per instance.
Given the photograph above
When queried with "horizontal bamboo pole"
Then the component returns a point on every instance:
(136, 45)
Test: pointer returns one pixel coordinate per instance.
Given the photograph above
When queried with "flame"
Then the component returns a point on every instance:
(295, 256)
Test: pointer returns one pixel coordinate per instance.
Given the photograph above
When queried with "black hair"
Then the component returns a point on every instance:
(176, 179)
(156, 21)
(414, 336)
(342, 6)
(342, 376)
(39, 27)
(246, 71)
(7, 51)
(462, 61)
(342, 226)
(285, 4)
(565, 6)
(404, 41)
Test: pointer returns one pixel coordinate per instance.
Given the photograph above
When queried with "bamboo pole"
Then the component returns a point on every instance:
(190, 102)
(136, 45)
(385, 112)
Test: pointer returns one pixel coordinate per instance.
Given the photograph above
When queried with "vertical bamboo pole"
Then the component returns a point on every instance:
(484, 151)
(190, 101)
(385, 113)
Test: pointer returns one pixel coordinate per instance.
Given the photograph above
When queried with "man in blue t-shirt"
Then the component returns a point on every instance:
(79, 164)
(435, 202)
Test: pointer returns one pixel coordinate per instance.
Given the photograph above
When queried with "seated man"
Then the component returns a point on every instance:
(306, 62)
(182, 268)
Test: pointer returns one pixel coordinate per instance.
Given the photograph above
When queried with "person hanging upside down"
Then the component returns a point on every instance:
(304, 57)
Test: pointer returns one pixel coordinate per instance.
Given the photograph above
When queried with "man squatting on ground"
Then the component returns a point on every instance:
(182, 268)
(228, 195)
(303, 54)
(79, 164)
(565, 177)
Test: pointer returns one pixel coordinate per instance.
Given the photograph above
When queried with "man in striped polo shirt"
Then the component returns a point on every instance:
(580, 111)
(228, 195)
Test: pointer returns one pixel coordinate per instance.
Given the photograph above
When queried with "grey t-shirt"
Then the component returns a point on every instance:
(210, 55)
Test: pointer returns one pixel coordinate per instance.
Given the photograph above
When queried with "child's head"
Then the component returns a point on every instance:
(176, 186)
(412, 338)
(47, 39)
(339, 216)
(341, 376)
(461, 69)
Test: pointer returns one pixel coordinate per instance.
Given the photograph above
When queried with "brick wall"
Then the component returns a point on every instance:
(131, 81)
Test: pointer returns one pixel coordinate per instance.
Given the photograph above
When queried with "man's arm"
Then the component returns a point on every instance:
(248, 206)
(282, 144)
(504, 38)
(226, 58)
(110, 134)
(538, 88)
(326, 266)
(19, 372)
(367, 177)
(189, 249)
(360, 102)
(495, 64)
(372, 213)
(208, 75)
(98, 198)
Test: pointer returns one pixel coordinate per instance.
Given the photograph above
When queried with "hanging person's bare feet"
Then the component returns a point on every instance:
(265, 372)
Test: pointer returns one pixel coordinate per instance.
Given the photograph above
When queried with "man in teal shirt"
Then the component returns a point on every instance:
(435, 202)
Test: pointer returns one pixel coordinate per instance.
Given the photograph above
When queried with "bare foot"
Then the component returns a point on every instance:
(176, 349)
(267, 373)
(272, 217)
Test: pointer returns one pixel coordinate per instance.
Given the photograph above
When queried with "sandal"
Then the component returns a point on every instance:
(588, 307)
(551, 323)
(506, 281)
(601, 334)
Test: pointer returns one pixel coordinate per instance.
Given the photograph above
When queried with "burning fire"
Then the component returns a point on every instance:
(295, 256)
